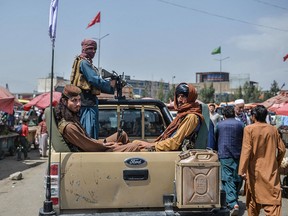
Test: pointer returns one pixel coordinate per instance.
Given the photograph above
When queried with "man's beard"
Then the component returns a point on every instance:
(71, 116)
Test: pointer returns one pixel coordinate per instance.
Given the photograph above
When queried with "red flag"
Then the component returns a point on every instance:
(95, 20)
(285, 57)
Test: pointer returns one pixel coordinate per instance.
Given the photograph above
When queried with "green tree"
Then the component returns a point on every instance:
(145, 92)
(206, 94)
(251, 93)
(160, 92)
(274, 89)
(238, 94)
(170, 95)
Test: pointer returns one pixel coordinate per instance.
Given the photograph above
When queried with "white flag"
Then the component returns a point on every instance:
(53, 19)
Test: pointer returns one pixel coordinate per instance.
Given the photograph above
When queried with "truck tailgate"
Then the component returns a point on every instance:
(115, 180)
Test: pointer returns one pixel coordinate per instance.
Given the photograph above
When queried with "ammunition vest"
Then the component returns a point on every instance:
(77, 78)
(61, 127)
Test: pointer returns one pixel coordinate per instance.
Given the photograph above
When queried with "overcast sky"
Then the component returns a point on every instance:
(148, 39)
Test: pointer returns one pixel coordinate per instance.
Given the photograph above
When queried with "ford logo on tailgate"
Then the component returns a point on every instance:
(135, 161)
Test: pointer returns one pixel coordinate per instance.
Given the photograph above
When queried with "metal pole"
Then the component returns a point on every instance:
(99, 44)
(99, 53)
(220, 87)
(173, 77)
(220, 60)
(221, 65)
(48, 204)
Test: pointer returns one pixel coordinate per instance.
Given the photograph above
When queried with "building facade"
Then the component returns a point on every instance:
(223, 82)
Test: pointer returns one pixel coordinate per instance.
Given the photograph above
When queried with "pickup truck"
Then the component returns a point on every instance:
(135, 183)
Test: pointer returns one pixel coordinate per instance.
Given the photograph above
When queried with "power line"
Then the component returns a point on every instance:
(222, 17)
(272, 5)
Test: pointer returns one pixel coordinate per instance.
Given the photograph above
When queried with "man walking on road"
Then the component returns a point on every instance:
(261, 156)
(229, 135)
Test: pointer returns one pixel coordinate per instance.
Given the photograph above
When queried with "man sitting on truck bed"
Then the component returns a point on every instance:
(186, 122)
(68, 119)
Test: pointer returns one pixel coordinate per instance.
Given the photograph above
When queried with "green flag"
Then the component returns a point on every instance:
(216, 51)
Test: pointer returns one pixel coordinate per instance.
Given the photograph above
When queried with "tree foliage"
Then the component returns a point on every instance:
(170, 95)
(274, 89)
(160, 93)
(206, 94)
(238, 94)
(250, 93)
(145, 92)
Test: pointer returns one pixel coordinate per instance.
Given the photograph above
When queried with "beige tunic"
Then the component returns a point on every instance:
(261, 156)
(185, 129)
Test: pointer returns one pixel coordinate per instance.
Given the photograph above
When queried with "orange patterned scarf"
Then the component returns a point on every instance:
(191, 107)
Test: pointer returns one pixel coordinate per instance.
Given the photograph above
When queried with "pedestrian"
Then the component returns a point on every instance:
(87, 77)
(42, 133)
(23, 144)
(229, 135)
(240, 113)
(67, 116)
(214, 116)
(261, 157)
(186, 123)
(11, 120)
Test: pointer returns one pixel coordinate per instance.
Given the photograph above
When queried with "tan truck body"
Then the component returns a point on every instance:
(96, 180)
(133, 182)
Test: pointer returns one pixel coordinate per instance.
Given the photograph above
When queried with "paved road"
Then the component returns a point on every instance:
(243, 212)
(24, 197)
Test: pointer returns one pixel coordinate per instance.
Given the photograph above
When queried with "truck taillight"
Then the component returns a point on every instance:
(54, 177)
(55, 200)
(54, 169)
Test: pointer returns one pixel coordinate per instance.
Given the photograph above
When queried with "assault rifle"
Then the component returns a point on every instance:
(120, 82)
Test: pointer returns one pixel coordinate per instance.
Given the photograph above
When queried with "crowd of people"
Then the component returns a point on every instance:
(20, 123)
(249, 149)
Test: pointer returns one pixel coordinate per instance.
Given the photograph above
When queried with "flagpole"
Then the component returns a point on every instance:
(99, 45)
(97, 19)
(220, 60)
(47, 208)
(220, 85)
(99, 49)
(48, 204)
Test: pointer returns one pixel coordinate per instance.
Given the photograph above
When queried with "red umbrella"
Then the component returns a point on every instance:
(43, 100)
(7, 101)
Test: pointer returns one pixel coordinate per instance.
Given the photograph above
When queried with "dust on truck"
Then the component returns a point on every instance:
(136, 183)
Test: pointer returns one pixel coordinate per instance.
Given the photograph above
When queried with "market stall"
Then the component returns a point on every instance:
(7, 142)
(279, 105)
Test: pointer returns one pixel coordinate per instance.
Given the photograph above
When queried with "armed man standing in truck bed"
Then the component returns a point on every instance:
(86, 76)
